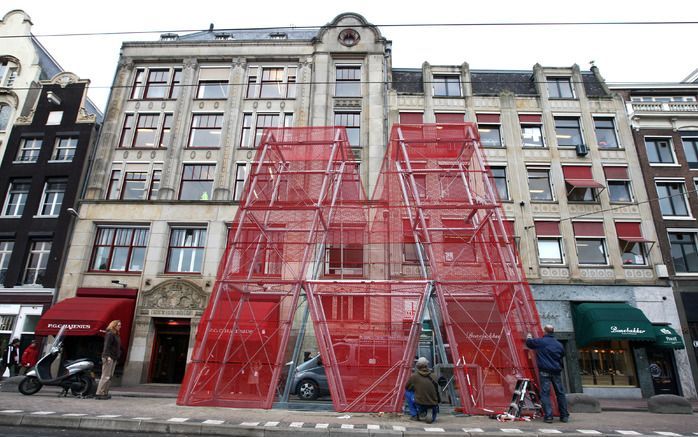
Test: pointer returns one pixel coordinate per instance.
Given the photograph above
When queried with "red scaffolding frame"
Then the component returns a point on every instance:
(433, 231)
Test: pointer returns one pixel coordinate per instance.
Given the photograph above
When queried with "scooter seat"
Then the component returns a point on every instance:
(67, 363)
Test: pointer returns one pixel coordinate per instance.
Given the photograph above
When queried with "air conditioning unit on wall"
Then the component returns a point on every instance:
(582, 150)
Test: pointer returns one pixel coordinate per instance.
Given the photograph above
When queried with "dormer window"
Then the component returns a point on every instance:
(278, 35)
(222, 36)
(169, 37)
(8, 73)
(349, 37)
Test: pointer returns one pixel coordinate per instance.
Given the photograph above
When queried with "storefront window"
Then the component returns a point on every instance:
(607, 363)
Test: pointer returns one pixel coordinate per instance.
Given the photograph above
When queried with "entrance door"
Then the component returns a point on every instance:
(169, 358)
(662, 371)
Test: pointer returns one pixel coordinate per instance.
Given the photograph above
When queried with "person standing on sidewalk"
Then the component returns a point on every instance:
(426, 390)
(12, 357)
(30, 356)
(549, 355)
(110, 355)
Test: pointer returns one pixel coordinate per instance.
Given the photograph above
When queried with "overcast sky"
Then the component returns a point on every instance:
(628, 53)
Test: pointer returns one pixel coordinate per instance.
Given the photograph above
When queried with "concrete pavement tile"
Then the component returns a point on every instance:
(291, 432)
(11, 419)
(154, 426)
(340, 432)
(185, 428)
(421, 432)
(234, 430)
(109, 424)
(51, 421)
(384, 432)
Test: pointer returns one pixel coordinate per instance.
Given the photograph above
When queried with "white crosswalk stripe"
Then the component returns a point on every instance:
(178, 419)
(249, 424)
(399, 428)
(271, 424)
(213, 422)
(473, 430)
(74, 414)
(296, 425)
(11, 411)
(668, 433)
(511, 430)
(109, 416)
(347, 426)
(43, 413)
(550, 431)
(322, 425)
(434, 430)
(373, 427)
(624, 432)
(589, 431)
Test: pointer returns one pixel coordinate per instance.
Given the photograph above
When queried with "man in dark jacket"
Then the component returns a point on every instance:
(12, 357)
(549, 355)
(426, 391)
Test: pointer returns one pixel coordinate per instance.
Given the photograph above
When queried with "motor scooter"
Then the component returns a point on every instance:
(74, 376)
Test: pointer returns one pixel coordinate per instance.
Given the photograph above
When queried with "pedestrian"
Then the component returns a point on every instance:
(30, 356)
(110, 355)
(12, 357)
(549, 355)
(426, 390)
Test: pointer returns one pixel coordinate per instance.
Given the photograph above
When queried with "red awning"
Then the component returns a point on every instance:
(487, 118)
(85, 316)
(630, 231)
(580, 177)
(411, 117)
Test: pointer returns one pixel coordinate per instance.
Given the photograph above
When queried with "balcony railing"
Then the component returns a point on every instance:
(664, 106)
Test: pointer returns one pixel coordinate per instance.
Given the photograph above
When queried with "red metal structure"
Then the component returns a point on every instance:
(433, 231)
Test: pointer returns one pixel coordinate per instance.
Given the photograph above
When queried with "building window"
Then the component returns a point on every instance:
(127, 131)
(560, 88)
(156, 83)
(146, 130)
(118, 249)
(684, 252)
(531, 130)
(446, 85)
(240, 177)
(197, 182)
(549, 242)
(36, 263)
(5, 254)
(155, 185)
(206, 130)
(607, 364)
(605, 130)
(632, 253)
(591, 243)
(348, 81)
(690, 149)
(618, 184)
(186, 250)
(352, 123)
(8, 73)
(5, 113)
(568, 132)
(152, 130)
(489, 129)
(659, 151)
(213, 83)
(344, 254)
(29, 149)
(499, 177)
(663, 99)
(580, 184)
(51, 202)
(65, 148)
(672, 199)
(539, 184)
(253, 128)
(271, 82)
(16, 197)
(54, 118)
(114, 188)
(134, 187)
(166, 132)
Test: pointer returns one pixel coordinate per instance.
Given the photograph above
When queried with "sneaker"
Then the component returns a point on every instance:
(430, 419)
(548, 420)
(565, 419)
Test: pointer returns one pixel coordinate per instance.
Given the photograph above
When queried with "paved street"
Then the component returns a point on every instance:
(143, 412)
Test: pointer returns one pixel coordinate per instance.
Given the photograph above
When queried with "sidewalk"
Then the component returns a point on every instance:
(152, 409)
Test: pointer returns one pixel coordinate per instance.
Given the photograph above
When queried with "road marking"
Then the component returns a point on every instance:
(511, 430)
(43, 413)
(620, 431)
(434, 430)
(11, 411)
(213, 422)
(588, 431)
(322, 425)
(667, 433)
(109, 416)
(142, 418)
(347, 426)
(473, 430)
(296, 425)
(550, 431)
(74, 414)
(271, 424)
(399, 428)
(249, 424)
(373, 427)
(178, 419)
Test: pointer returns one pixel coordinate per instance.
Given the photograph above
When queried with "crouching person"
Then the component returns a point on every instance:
(426, 390)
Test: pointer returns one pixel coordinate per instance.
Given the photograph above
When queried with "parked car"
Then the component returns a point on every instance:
(310, 381)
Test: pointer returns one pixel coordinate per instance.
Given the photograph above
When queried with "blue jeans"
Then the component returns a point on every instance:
(546, 380)
(411, 405)
(424, 408)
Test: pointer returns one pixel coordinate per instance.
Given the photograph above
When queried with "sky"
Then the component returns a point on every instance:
(623, 53)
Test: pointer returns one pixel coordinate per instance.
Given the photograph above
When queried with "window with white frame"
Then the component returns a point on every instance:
(240, 178)
(659, 150)
(690, 149)
(119, 249)
(488, 125)
(156, 83)
(499, 179)
(446, 85)
(663, 99)
(672, 198)
(560, 87)
(16, 197)
(273, 82)
(5, 254)
(539, 186)
(591, 243)
(51, 201)
(213, 83)
(618, 183)
(253, 127)
(64, 149)
(197, 182)
(37, 261)
(54, 118)
(347, 81)
(29, 149)
(531, 130)
(606, 136)
(206, 130)
(684, 252)
(146, 130)
(549, 242)
(568, 131)
(352, 123)
(631, 243)
(5, 113)
(185, 253)
(8, 73)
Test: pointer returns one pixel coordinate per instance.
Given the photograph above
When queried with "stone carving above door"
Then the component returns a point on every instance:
(174, 295)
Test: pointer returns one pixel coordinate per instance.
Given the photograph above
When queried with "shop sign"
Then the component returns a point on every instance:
(69, 326)
(627, 331)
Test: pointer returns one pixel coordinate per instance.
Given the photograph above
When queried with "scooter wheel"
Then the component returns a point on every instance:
(82, 386)
(29, 385)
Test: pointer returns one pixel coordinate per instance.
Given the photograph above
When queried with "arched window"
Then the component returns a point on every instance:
(8, 72)
(5, 112)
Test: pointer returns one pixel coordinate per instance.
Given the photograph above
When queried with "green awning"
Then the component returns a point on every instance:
(667, 337)
(610, 321)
